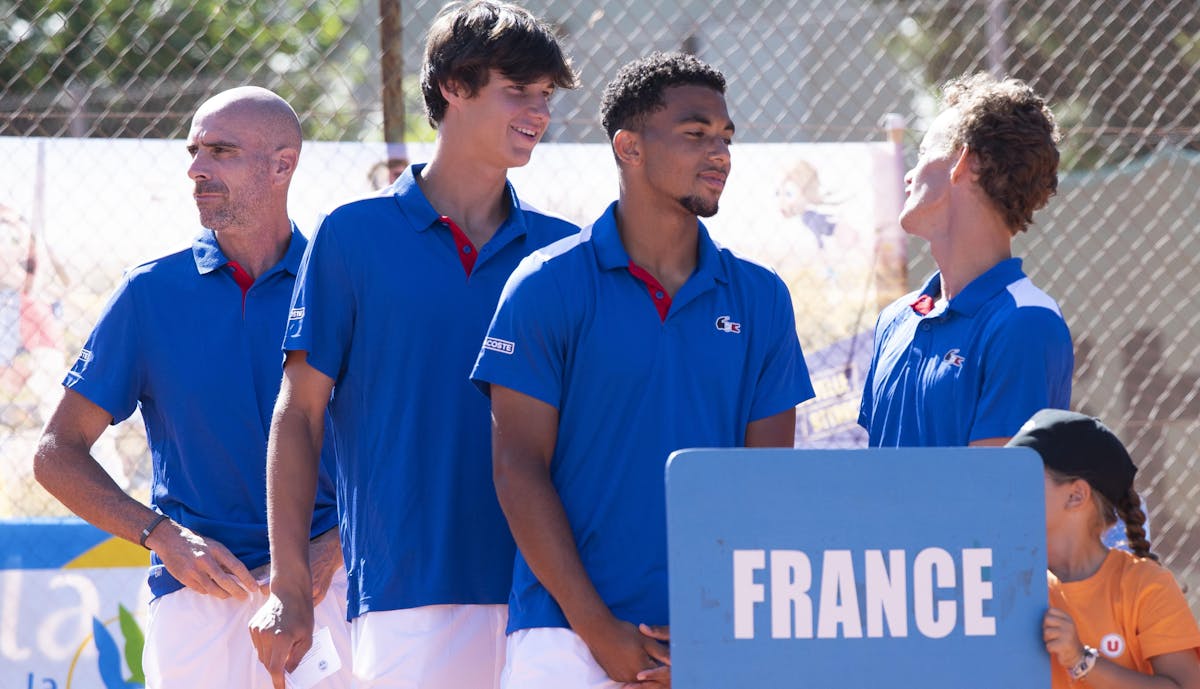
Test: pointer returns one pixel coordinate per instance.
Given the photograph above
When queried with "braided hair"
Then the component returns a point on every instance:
(1129, 509)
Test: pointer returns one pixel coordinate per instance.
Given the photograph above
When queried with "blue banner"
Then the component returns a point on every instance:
(857, 568)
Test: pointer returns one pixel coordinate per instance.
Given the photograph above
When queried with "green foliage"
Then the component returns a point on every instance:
(1121, 82)
(139, 67)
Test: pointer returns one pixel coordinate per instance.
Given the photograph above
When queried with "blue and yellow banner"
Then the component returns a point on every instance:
(72, 604)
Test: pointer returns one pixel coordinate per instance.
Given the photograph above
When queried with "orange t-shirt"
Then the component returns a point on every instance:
(1130, 610)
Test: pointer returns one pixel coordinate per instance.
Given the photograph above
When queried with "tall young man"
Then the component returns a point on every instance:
(966, 359)
(193, 340)
(608, 352)
(392, 302)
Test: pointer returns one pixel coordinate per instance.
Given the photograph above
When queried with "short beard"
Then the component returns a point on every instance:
(696, 206)
(217, 219)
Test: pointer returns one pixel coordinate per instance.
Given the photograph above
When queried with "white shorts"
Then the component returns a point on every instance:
(431, 647)
(552, 658)
(199, 641)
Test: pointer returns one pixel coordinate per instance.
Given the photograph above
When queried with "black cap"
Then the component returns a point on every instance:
(1077, 445)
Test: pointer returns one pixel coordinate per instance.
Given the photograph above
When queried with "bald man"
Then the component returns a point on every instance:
(192, 339)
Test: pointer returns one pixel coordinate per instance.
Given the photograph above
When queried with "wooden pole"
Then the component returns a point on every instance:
(391, 63)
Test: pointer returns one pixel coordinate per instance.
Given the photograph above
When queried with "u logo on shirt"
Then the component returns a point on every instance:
(1112, 645)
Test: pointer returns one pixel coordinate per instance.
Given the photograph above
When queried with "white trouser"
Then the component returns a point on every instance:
(195, 641)
(552, 658)
(430, 647)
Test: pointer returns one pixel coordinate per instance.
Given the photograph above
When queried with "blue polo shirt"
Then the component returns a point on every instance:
(385, 307)
(180, 340)
(976, 368)
(578, 329)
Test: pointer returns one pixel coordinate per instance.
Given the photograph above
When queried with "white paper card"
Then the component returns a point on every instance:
(320, 662)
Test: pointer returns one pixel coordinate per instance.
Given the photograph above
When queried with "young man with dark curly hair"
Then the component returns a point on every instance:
(966, 359)
(609, 351)
(391, 303)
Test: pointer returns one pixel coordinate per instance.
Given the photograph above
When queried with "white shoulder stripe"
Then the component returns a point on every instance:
(563, 245)
(1024, 293)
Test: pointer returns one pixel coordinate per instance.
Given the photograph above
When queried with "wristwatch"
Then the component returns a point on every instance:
(1086, 663)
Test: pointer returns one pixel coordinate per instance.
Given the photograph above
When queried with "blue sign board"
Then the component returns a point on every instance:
(855, 569)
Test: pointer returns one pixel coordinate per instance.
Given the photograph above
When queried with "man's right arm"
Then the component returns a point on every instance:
(63, 464)
(282, 629)
(524, 434)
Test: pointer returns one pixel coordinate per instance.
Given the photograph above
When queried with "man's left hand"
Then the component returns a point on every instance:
(659, 677)
(324, 558)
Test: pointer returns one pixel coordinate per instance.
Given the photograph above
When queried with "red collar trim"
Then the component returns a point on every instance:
(658, 294)
(242, 278)
(923, 305)
(466, 250)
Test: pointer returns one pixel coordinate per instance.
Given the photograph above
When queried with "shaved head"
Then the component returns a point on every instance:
(245, 144)
(270, 117)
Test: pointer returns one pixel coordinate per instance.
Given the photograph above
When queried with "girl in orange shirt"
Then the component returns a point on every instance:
(1116, 619)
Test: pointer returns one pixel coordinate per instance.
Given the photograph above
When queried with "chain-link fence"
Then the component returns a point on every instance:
(1116, 247)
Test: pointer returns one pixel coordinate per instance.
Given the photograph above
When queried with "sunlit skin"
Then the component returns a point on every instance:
(673, 169)
(687, 148)
(244, 144)
(927, 204)
(945, 205)
(506, 119)
(480, 137)
(228, 169)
